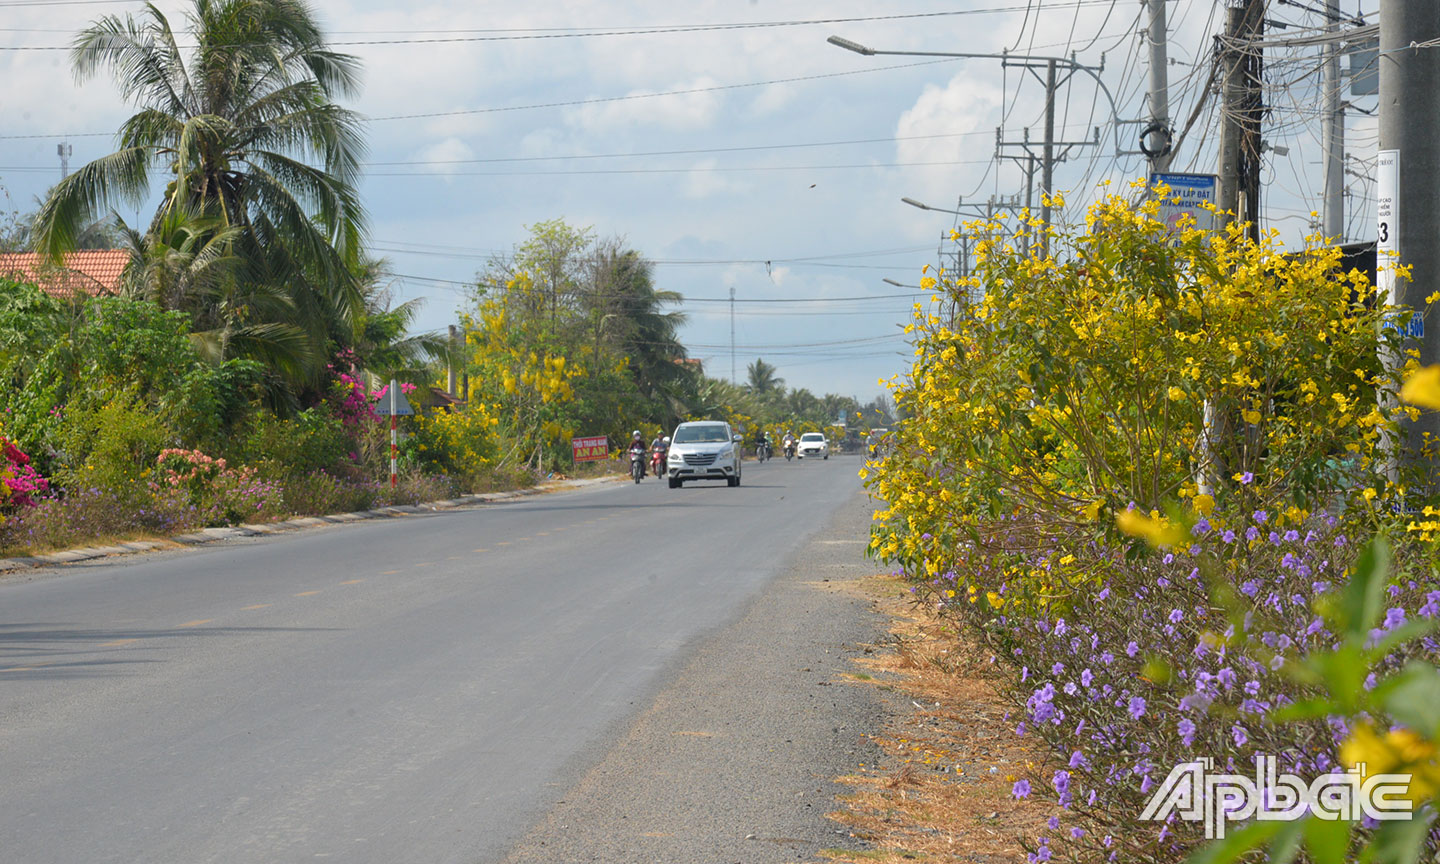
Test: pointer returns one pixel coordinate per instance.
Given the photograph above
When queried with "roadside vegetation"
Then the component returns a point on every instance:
(1148, 475)
(235, 374)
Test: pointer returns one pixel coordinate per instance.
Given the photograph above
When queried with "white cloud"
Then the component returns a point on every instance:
(703, 181)
(445, 155)
(687, 112)
(963, 111)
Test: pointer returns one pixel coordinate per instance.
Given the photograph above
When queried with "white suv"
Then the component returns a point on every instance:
(703, 450)
(813, 444)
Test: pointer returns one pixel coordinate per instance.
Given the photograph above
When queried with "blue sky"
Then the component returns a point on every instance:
(787, 191)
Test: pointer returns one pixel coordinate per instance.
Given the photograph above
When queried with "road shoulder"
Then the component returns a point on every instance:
(735, 758)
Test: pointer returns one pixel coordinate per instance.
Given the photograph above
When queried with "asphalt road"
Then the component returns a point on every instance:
(424, 689)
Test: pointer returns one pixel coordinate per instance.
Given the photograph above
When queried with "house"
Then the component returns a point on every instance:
(85, 273)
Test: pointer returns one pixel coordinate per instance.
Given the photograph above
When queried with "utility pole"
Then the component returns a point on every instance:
(1047, 169)
(1160, 134)
(1242, 105)
(1409, 104)
(1334, 131)
(64, 151)
(1239, 194)
(733, 379)
(450, 362)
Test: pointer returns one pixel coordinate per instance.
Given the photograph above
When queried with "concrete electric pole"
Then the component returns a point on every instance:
(1408, 197)
(1332, 85)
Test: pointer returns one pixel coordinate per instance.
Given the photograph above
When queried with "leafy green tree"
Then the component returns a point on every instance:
(232, 121)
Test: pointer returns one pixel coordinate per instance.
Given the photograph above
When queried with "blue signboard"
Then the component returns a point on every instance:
(1188, 195)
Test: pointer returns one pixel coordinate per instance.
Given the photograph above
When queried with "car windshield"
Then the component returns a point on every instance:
(812, 436)
(713, 433)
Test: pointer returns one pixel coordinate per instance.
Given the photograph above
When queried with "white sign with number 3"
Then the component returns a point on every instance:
(1387, 212)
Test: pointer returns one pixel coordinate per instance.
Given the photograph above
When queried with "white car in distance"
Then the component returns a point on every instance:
(703, 450)
(813, 444)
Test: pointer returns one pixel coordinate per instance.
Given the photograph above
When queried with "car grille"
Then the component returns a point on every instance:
(698, 459)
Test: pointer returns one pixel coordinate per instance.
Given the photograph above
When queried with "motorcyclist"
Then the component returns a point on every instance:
(658, 450)
(637, 445)
(760, 440)
(789, 441)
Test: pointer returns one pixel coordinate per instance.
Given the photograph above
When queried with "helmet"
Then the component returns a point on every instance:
(635, 434)
(667, 439)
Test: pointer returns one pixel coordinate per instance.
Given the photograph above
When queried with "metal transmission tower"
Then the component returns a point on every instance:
(64, 151)
(733, 379)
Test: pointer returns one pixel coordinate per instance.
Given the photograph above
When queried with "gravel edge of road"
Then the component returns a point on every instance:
(736, 757)
(13, 566)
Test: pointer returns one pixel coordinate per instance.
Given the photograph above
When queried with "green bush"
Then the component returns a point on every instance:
(112, 448)
(312, 440)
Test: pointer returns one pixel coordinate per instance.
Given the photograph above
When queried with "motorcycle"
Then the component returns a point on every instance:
(657, 462)
(637, 465)
(762, 451)
(789, 451)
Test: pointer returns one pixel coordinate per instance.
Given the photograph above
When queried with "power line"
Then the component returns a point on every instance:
(537, 33)
(594, 101)
(686, 170)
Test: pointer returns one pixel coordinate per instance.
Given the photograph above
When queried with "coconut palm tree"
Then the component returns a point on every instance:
(236, 122)
(186, 263)
(762, 380)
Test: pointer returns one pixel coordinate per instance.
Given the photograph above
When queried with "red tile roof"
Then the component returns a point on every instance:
(89, 272)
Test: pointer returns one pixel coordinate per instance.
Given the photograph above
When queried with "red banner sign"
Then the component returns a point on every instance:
(590, 449)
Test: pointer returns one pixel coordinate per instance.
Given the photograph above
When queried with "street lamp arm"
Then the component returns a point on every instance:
(923, 206)
(1007, 57)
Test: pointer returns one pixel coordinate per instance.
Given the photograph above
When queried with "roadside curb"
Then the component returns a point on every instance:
(299, 523)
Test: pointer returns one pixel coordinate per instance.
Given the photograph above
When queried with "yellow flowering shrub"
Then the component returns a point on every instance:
(460, 442)
(1129, 366)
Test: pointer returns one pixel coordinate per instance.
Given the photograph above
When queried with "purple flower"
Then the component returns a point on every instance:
(1061, 782)
(1132, 648)
(1186, 728)
(1057, 669)
(1238, 733)
(1021, 789)
(1247, 478)
(1054, 823)
(1261, 516)
(1136, 707)
(1077, 833)
(1394, 617)
(1176, 616)
(1078, 760)
(1086, 677)
(1228, 536)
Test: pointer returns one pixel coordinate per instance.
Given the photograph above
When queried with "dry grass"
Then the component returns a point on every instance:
(951, 757)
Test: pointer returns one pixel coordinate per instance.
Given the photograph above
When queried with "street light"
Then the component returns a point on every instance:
(1029, 62)
(889, 281)
(923, 206)
(850, 46)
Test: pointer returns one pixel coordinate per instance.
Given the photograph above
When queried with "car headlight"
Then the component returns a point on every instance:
(676, 457)
(726, 453)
